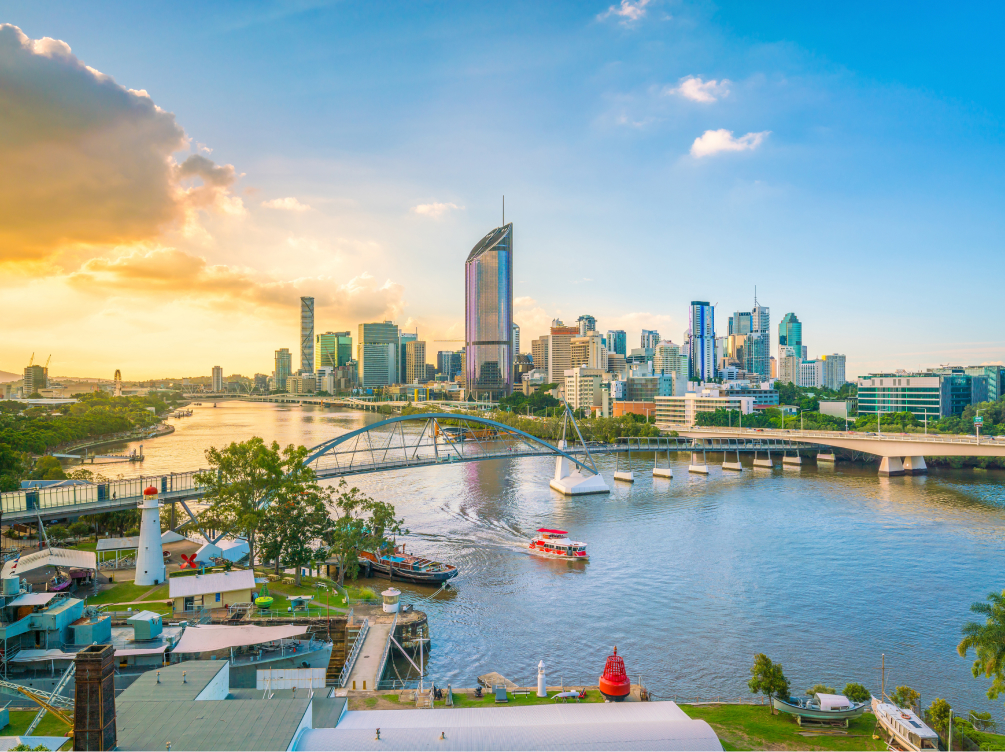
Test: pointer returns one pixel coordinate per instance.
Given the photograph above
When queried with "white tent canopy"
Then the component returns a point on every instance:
(208, 637)
(832, 702)
(64, 558)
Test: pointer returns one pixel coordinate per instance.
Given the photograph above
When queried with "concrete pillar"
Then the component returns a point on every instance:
(797, 460)
(698, 464)
(759, 462)
(891, 466)
(732, 465)
(825, 457)
(626, 475)
(915, 466)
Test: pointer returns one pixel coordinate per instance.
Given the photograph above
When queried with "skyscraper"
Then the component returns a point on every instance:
(740, 323)
(587, 323)
(377, 354)
(488, 315)
(448, 363)
(670, 361)
(333, 349)
(650, 338)
(758, 345)
(617, 341)
(560, 351)
(516, 340)
(306, 335)
(217, 379)
(403, 339)
(701, 341)
(415, 362)
(35, 379)
(284, 366)
(790, 333)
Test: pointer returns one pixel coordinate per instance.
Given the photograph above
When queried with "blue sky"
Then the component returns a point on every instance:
(862, 188)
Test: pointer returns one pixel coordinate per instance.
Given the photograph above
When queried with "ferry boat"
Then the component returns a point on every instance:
(397, 565)
(555, 544)
(906, 728)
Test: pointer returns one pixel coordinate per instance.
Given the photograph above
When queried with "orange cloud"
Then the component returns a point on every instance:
(86, 161)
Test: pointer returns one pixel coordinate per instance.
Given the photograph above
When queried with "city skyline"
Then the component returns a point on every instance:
(743, 138)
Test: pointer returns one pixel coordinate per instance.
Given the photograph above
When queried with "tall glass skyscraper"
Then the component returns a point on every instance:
(617, 341)
(488, 315)
(307, 335)
(701, 344)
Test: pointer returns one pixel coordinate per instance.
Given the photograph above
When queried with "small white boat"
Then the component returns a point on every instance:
(555, 544)
(904, 726)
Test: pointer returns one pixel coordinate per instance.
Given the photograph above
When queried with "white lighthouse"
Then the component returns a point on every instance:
(149, 553)
(542, 690)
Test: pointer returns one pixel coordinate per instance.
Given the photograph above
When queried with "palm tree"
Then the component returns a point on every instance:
(987, 640)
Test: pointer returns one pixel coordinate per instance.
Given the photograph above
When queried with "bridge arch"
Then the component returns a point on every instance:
(432, 420)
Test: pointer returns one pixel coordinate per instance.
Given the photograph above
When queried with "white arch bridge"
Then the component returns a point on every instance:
(400, 442)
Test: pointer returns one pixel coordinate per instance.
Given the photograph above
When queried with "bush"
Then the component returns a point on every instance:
(905, 697)
(132, 532)
(57, 533)
(78, 529)
(938, 715)
(856, 692)
(822, 689)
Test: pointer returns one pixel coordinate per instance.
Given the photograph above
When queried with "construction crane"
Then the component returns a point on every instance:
(32, 360)
(47, 363)
(55, 703)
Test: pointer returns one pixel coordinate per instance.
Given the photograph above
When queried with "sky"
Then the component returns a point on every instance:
(174, 176)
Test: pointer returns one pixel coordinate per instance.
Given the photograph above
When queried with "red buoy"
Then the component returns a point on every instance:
(614, 684)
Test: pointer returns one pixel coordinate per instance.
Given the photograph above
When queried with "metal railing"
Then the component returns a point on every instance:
(350, 659)
(284, 651)
(856, 435)
(387, 651)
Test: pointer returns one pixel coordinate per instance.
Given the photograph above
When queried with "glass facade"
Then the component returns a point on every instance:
(284, 365)
(488, 315)
(790, 333)
(307, 335)
(333, 349)
(617, 341)
(701, 347)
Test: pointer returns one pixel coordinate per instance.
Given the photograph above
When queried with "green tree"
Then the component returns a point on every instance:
(982, 721)
(296, 519)
(47, 468)
(938, 715)
(358, 523)
(905, 697)
(57, 533)
(242, 476)
(767, 678)
(78, 529)
(856, 692)
(822, 689)
(12, 468)
(987, 640)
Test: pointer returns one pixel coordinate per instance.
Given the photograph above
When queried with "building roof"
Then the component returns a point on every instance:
(51, 557)
(217, 582)
(168, 684)
(118, 544)
(202, 638)
(32, 599)
(209, 724)
(490, 241)
(594, 726)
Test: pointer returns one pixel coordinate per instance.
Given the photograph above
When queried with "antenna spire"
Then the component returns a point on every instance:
(504, 210)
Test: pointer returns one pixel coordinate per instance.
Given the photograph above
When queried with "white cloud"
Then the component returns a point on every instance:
(628, 12)
(286, 204)
(713, 142)
(693, 88)
(435, 210)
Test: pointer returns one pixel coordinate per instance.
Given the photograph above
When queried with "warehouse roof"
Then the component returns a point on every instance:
(217, 582)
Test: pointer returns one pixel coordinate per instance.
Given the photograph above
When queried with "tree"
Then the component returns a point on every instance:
(938, 715)
(77, 529)
(242, 476)
(766, 678)
(983, 721)
(296, 519)
(12, 468)
(358, 523)
(905, 697)
(822, 689)
(856, 692)
(47, 468)
(57, 533)
(986, 640)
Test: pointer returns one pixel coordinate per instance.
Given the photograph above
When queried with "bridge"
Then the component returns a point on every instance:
(400, 442)
(899, 453)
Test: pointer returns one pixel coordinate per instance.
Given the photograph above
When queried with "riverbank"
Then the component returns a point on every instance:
(162, 429)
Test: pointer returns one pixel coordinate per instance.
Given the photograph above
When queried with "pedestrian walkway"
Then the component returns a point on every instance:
(364, 671)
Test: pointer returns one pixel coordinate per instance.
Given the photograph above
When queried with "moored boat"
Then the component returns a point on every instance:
(906, 728)
(397, 565)
(821, 708)
(555, 544)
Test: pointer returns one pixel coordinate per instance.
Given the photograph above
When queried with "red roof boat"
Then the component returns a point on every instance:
(555, 544)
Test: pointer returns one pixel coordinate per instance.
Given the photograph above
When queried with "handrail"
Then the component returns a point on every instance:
(350, 659)
(856, 435)
(387, 650)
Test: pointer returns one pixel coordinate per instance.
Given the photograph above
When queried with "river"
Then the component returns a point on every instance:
(822, 569)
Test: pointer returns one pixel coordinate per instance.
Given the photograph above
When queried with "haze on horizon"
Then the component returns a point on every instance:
(176, 177)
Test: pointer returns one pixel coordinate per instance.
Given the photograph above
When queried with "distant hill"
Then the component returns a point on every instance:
(8, 376)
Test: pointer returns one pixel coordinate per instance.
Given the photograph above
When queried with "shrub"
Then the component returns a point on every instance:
(856, 692)
(822, 689)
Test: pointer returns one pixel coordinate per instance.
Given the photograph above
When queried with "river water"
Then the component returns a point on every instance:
(822, 569)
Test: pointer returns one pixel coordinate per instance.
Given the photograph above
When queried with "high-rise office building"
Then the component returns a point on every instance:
(788, 364)
(539, 352)
(36, 378)
(307, 335)
(217, 379)
(588, 351)
(740, 323)
(833, 371)
(415, 362)
(650, 338)
(284, 367)
(377, 354)
(448, 363)
(668, 360)
(333, 349)
(790, 334)
(701, 341)
(757, 348)
(488, 315)
(516, 340)
(403, 339)
(587, 323)
(617, 341)
(560, 351)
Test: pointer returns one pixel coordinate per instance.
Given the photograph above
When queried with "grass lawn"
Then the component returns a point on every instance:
(126, 592)
(488, 699)
(742, 727)
(21, 719)
(88, 545)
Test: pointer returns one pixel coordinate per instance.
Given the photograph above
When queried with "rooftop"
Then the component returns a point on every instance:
(217, 582)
